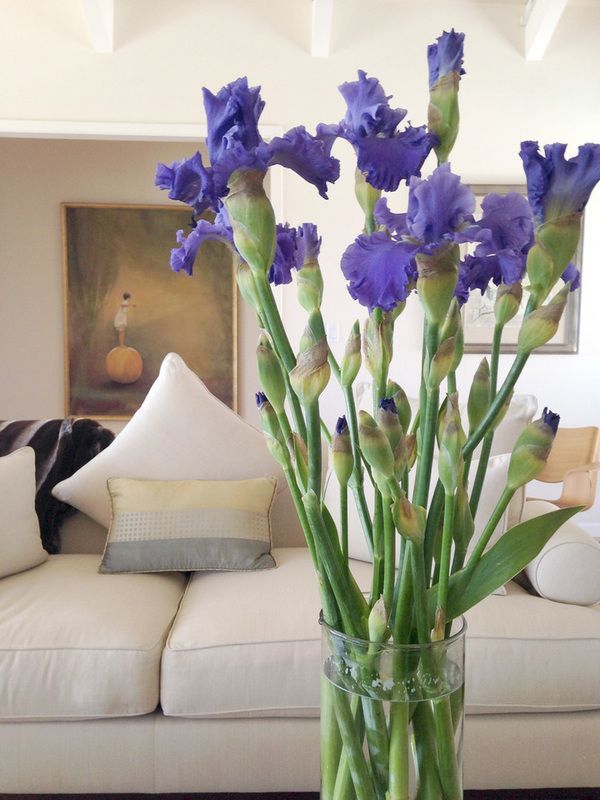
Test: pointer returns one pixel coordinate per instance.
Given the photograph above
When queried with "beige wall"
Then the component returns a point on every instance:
(166, 51)
(41, 175)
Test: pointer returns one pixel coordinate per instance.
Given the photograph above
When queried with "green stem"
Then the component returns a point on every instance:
(270, 315)
(389, 553)
(331, 745)
(359, 769)
(378, 549)
(452, 383)
(426, 752)
(428, 429)
(444, 728)
(344, 788)
(313, 443)
(444, 571)
(357, 474)
(488, 439)
(344, 521)
(399, 752)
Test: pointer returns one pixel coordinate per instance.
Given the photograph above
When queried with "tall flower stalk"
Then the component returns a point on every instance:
(418, 534)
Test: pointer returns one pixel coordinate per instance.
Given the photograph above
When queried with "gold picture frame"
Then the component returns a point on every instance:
(478, 312)
(125, 309)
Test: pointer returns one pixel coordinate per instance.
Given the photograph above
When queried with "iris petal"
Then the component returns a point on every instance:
(188, 181)
(379, 270)
(232, 116)
(307, 155)
(395, 223)
(184, 256)
(285, 255)
(557, 186)
(387, 161)
(439, 207)
(445, 56)
(369, 112)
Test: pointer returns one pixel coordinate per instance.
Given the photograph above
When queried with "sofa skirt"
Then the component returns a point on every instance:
(158, 754)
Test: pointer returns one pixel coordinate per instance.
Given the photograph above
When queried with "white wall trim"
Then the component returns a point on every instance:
(136, 131)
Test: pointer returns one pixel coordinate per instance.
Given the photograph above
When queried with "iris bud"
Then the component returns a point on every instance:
(452, 439)
(410, 444)
(400, 399)
(400, 458)
(377, 623)
(375, 446)
(453, 329)
(463, 520)
(245, 282)
(443, 115)
(441, 363)
(541, 325)
(300, 453)
(532, 450)
(437, 279)
(440, 419)
(351, 360)
(311, 374)
(270, 373)
(341, 452)
(409, 520)
(378, 344)
(252, 218)
(479, 396)
(508, 302)
(310, 286)
(388, 421)
(270, 426)
(502, 413)
(560, 238)
(367, 197)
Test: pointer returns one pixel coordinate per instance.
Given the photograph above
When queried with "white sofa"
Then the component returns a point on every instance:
(155, 683)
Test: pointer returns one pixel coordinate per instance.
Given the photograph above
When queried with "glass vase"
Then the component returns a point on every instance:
(392, 718)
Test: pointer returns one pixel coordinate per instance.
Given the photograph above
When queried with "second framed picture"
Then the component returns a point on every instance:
(478, 313)
(125, 309)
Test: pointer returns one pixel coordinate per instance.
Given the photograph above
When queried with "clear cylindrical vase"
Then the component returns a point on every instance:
(392, 718)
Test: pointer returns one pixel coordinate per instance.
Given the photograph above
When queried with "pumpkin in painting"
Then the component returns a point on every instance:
(124, 364)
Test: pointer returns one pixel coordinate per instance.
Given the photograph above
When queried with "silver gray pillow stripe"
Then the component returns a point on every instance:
(189, 523)
(189, 555)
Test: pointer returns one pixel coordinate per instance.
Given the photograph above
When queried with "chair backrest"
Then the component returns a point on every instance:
(572, 448)
(574, 462)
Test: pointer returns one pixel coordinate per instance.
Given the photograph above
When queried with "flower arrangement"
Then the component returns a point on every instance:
(418, 534)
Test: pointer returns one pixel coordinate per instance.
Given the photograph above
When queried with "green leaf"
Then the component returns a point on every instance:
(513, 551)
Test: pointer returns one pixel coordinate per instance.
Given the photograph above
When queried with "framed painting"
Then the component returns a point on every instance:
(478, 313)
(125, 309)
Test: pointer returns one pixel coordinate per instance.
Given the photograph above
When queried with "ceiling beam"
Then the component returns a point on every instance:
(99, 18)
(541, 20)
(322, 16)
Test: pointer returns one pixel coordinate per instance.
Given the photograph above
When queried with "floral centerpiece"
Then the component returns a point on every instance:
(392, 673)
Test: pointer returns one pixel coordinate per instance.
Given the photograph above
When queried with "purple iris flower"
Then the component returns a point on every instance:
(439, 208)
(341, 426)
(184, 256)
(385, 155)
(234, 142)
(381, 269)
(286, 255)
(573, 276)
(307, 155)
(557, 186)
(188, 181)
(551, 419)
(308, 242)
(445, 56)
(505, 237)
(388, 404)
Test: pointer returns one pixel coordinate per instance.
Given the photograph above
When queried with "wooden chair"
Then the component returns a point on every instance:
(574, 461)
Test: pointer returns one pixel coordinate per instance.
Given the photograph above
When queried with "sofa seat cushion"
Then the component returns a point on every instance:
(529, 654)
(248, 644)
(76, 644)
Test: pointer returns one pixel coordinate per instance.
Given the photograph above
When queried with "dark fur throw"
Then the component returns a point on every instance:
(61, 447)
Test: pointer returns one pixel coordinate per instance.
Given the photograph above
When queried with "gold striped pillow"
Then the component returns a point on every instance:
(189, 525)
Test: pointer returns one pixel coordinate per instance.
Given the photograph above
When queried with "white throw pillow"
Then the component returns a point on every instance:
(20, 543)
(567, 569)
(181, 431)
